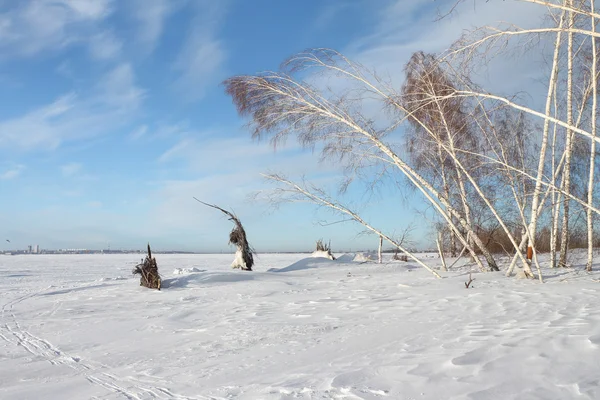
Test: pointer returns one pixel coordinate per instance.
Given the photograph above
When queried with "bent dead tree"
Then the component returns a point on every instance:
(148, 270)
(243, 255)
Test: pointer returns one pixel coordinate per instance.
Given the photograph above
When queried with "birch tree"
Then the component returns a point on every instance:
(459, 158)
(564, 241)
(590, 198)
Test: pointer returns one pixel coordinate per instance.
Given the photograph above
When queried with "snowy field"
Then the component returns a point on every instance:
(81, 327)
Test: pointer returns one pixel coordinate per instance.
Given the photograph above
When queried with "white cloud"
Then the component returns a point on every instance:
(203, 153)
(139, 132)
(164, 130)
(200, 61)
(38, 128)
(118, 88)
(328, 14)
(407, 26)
(33, 26)
(73, 118)
(182, 148)
(199, 66)
(88, 9)
(64, 69)
(12, 172)
(225, 171)
(105, 45)
(151, 16)
(71, 169)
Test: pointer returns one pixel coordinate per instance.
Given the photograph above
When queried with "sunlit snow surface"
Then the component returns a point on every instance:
(81, 327)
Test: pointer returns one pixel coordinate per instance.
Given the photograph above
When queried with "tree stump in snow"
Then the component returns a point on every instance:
(323, 250)
(148, 270)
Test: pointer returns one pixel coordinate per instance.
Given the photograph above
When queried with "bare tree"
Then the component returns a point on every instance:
(280, 105)
(465, 145)
(485, 39)
(243, 255)
(443, 125)
(290, 191)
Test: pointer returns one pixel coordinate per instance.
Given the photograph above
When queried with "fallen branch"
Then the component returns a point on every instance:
(467, 284)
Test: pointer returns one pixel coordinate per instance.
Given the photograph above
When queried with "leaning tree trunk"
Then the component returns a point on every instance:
(542, 157)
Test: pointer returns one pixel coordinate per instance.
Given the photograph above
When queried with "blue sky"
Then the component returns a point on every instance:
(113, 116)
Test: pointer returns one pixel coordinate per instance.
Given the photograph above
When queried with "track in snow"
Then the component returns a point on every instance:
(130, 388)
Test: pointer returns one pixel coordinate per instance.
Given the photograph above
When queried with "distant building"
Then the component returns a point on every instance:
(36, 249)
(29, 249)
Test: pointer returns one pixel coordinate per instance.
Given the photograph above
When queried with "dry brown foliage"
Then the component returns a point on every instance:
(237, 237)
(148, 270)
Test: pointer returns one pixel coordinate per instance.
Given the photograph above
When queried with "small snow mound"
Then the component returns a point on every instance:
(206, 278)
(521, 274)
(181, 271)
(362, 257)
(346, 258)
(305, 263)
(117, 278)
(322, 254)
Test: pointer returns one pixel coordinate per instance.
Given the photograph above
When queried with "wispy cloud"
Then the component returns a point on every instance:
(32, 26)
(151, 16)
(182, 148)
(39, 128)
(406, 26)
(90, 9)
(328, 14)
(105, 45)
(65, 70)
(12, 172)
(201, 59)
(118, 88)
(139, 132)
(95, 204)
(206, 151)
(72, 117)
(171, 130)
(71, 169)
(161, 131)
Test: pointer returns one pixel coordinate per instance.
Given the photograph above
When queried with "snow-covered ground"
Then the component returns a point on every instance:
(81, 327)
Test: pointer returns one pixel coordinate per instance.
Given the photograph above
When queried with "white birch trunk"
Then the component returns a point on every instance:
(555, 196)
(441, 251)
(420, 183)
(590, 220)
(379, 255)
(564, 242)
(542, 157)
(460, 176)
